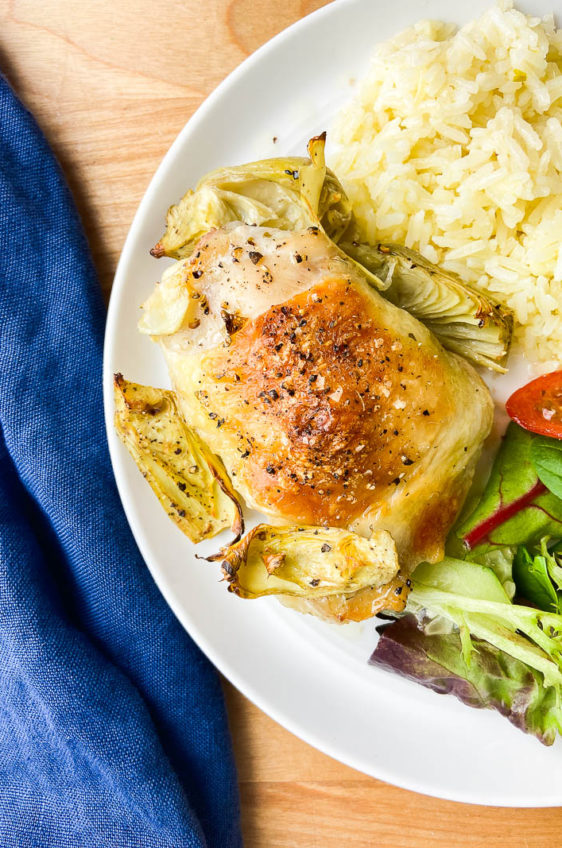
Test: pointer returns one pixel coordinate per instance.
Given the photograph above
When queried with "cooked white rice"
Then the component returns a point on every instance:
(453, 146)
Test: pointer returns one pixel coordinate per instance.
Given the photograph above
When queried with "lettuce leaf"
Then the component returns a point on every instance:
(492, 679)
(480, 646)
(472, 597)
(538, 577)
(500, 560)
(516, 508)
(546, 456)
(475, 642)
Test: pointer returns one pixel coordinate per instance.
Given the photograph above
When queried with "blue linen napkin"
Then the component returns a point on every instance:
(112, 724)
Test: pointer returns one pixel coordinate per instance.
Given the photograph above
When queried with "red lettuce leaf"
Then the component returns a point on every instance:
(516, 508)
(494, 680)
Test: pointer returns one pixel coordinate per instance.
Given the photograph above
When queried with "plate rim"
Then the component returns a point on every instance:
(378, 771)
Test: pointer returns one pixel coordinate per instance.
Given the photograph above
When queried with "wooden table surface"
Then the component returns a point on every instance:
(112, 82)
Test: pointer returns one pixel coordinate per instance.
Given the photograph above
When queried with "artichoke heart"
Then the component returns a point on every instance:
(465, 320)
(188, 480)
(307, 562)
(286, 194)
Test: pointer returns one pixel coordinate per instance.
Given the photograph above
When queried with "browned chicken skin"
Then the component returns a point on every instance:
(327, 404)
(316, 378)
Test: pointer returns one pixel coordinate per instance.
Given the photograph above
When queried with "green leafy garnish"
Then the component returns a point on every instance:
(493, 679)
(546, 456)
(531, 636)
(500, 560)
(493, 653)
(498, 654)
(516, 508)
(533, 580)
(538, 576)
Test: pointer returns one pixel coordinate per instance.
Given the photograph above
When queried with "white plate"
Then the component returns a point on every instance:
(309, 676)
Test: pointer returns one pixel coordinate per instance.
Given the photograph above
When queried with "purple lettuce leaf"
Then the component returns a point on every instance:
(494, 680)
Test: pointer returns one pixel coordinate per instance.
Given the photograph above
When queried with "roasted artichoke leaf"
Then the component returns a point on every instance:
(171, 305)
(188, 480)
(322, 193)
(465, 320)
(288, 194)
(307, 562)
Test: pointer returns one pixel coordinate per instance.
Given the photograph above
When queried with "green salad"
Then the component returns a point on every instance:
(485, 624)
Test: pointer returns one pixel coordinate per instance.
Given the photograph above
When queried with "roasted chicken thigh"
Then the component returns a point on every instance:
(327, 404)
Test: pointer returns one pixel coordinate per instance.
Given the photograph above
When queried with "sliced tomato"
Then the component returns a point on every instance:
(538, 405)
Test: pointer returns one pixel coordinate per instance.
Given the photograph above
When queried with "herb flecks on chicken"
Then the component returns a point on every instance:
(327, 404)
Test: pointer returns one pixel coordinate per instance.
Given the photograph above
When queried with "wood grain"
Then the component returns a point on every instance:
(294, 796)
(112, 82)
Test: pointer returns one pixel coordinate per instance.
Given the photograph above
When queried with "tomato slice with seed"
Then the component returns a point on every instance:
(538, 405)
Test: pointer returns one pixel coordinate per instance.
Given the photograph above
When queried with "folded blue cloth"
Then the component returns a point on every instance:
(112, 723)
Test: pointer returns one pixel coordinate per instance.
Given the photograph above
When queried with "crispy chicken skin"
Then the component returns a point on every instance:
(327, 404)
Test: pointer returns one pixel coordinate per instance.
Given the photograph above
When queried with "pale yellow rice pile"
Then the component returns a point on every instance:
(453, 146)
